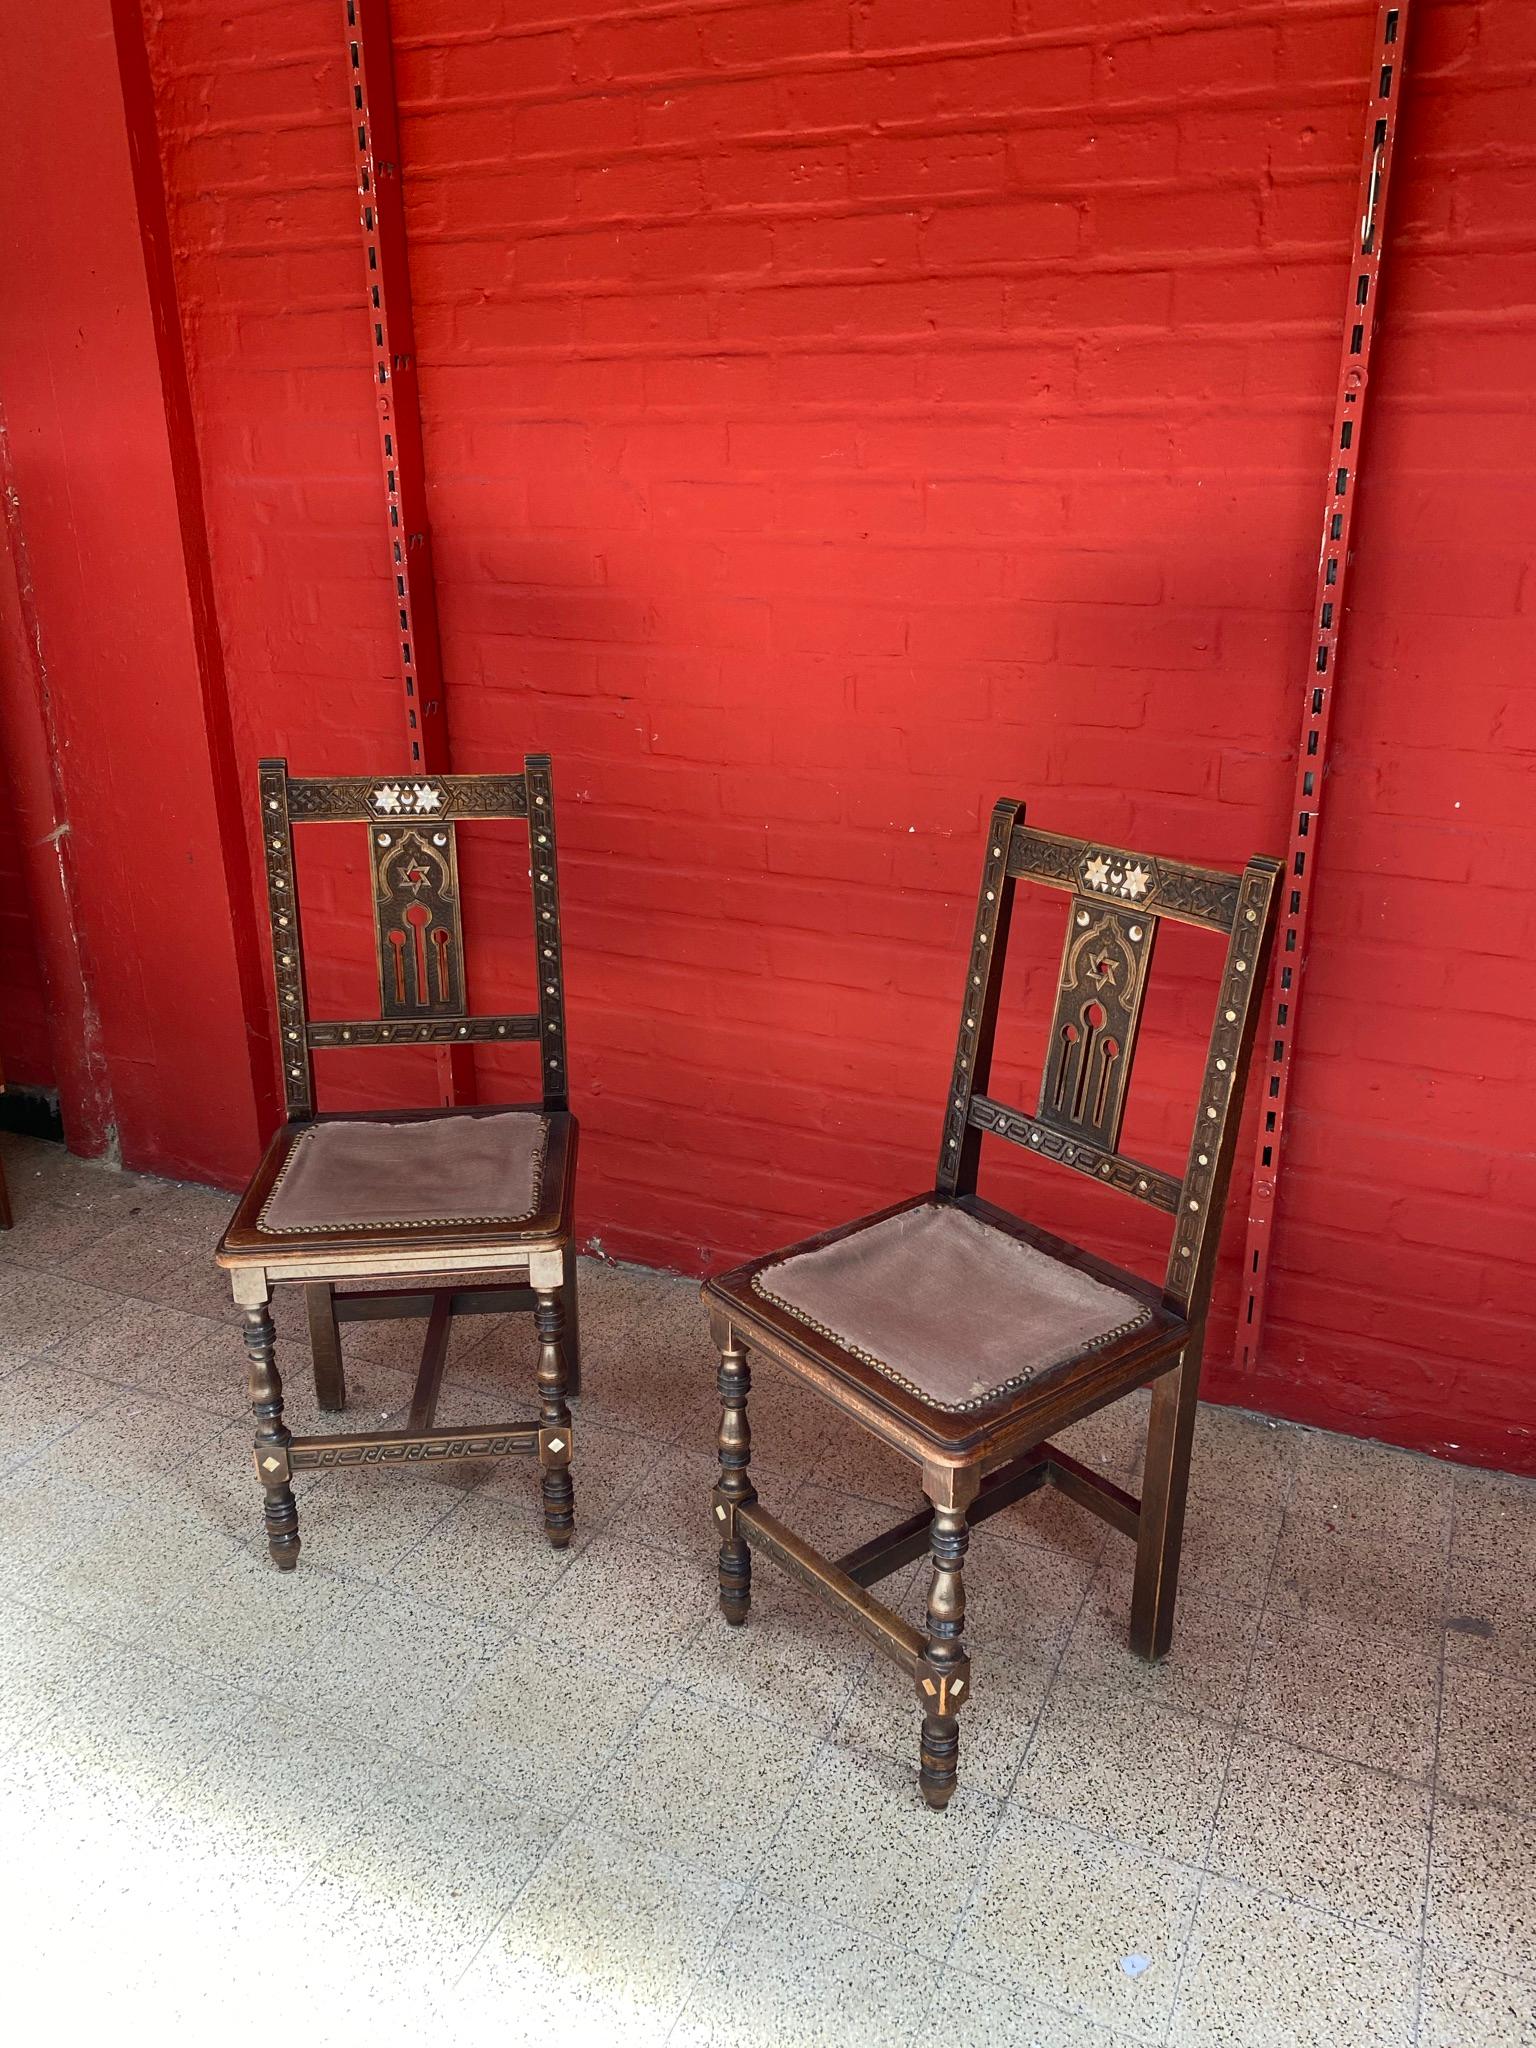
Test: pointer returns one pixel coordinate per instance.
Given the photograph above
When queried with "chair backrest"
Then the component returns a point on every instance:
(412, 826)
(1117, 901)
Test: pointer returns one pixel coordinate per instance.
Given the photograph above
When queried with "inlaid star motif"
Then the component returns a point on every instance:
(427, 798)
(387, 798)
(1101, 972)
(1136, 882)
(1096, 873)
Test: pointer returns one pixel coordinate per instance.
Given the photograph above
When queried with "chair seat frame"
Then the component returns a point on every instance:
(974, 1464)
(540, 1259)
(533, 1263)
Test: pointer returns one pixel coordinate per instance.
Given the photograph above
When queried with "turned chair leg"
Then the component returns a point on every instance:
(272, 1438)
(1165, 1483)
(572, 1324)
(734, 1489)
(554, 1418)
(325, 1346)
(944, 1674)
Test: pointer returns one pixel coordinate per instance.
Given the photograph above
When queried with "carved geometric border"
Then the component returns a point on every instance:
(1160, 1190)
(366, 799)
(1203, 896)
(493, 1444)
(435, 1031)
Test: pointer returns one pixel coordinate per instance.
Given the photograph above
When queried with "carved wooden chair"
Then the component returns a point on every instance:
(397, 1195)
(963, 1337)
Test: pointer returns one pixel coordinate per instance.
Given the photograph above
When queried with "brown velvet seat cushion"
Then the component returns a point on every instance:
(451, 1169)
(948, 1307)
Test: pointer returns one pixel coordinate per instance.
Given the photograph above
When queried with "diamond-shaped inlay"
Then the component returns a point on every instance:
(557, 1443)
(719, 1512)
(271, 1464)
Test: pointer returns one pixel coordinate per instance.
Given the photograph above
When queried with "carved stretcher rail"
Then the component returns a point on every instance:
(1161, 1190)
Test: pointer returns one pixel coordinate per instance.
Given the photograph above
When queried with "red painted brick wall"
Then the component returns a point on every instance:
(839, 415)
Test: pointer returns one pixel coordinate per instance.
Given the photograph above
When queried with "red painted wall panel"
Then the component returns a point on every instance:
(831, 427)
(101, 655)
(26, 1057)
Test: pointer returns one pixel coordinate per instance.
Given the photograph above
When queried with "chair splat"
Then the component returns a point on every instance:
(416, 921)
(1093, 1030)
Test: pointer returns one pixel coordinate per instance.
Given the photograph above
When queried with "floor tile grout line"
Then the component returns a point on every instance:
(752, 1884)
(1434, 1778)
(819, 1746)
(985, 1849)
(1207, 1871)
(1178, 1866)
(1240, 1725)
(580, 1811)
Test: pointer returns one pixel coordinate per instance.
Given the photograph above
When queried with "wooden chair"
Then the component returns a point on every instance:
(397, 1195)
(962, 1336)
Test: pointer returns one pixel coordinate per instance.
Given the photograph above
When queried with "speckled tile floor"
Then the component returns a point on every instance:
(442, 1786)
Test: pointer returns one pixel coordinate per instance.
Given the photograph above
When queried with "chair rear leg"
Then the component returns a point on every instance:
(944, 1674)
(572, 1324)
(734, 1488)
(554, 1418)
(325, 1346)
(272, 1438)
(1165, 1484)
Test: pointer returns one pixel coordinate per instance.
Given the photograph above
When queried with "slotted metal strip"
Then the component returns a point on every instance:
(1276, 1043)
(392, 339)
(381, 213)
